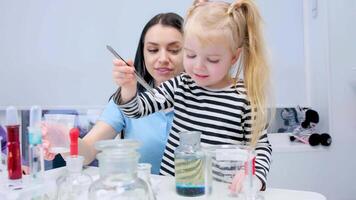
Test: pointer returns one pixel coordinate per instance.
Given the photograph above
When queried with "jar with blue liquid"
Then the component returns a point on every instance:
(190, 165)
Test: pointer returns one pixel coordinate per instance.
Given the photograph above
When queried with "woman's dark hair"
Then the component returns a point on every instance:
(166, 19)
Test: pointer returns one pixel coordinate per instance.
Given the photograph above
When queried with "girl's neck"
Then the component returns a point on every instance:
(226, 83)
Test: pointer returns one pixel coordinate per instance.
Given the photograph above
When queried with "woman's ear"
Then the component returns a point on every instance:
(236, 55)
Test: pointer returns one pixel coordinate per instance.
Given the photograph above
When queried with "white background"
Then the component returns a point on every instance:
(52, 53)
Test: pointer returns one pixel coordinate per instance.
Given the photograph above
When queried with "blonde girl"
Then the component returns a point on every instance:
(227, 103)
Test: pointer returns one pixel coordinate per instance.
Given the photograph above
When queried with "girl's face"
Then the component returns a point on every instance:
(208, 65)
(163, 52)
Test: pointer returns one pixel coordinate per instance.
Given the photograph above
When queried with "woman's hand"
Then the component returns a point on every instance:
(124, 77)
(46, 144)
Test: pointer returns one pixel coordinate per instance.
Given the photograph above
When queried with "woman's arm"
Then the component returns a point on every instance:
(100, 131)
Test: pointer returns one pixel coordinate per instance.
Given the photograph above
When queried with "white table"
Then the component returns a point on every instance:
(165, 189)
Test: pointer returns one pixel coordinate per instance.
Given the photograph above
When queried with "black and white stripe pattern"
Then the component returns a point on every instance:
(223, 116)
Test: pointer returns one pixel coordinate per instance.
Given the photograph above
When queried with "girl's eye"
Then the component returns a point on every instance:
(191, 56)
(213, 60)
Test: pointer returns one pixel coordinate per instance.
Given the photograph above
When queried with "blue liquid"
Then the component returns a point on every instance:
(190, 191)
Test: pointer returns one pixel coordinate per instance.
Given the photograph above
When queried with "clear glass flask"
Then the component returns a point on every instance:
(75, 184)
(118, 172)
(189, 165)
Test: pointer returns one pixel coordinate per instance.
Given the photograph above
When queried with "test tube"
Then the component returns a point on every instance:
(36, 160)
(13, 145)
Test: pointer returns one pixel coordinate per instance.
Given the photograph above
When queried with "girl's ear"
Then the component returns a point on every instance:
(236, 55)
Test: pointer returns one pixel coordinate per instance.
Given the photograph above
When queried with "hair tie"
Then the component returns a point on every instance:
(234, 6)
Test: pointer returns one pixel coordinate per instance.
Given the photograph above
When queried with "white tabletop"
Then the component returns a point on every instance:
(164, 187)
(166, 190)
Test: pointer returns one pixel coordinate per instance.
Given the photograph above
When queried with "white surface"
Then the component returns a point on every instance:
(165, 189)
(53, 53)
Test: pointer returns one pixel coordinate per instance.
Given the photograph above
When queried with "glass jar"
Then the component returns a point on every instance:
(226, 166)
(74, 184)
(118, 172)
(189, 164)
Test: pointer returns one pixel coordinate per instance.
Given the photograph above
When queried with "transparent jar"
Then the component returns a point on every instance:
(118, 172)
(189, 164)
(228, 168)
(74, 184)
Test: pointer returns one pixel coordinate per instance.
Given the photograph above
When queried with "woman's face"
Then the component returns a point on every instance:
(163, 52)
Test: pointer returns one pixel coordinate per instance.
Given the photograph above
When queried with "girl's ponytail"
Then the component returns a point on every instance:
(255, 66)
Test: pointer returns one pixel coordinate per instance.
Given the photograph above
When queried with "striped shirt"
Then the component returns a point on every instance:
(223, 116)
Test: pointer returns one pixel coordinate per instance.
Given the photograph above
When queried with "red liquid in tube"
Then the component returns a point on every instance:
(13, 154)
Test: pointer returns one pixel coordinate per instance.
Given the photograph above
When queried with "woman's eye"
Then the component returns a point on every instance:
(175, 51)
(152, 50)
(213, 60)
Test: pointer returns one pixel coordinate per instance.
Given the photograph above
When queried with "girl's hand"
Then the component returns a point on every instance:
(236, 185)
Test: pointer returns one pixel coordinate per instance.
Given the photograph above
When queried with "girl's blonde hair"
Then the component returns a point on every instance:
(238, 24)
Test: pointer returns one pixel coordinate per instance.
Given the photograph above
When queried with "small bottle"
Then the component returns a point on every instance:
(75, 184)
(144, 173)
(13, 147)
(36, 159)
(189, 165)
(118, 172)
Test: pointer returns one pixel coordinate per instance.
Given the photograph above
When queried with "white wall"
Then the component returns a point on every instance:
(332, 76)
(53, 53)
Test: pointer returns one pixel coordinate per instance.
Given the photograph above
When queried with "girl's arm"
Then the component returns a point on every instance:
(263, 158)
(263, 149)
(145, 103)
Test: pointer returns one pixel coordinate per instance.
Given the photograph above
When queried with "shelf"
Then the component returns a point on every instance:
(280, 143)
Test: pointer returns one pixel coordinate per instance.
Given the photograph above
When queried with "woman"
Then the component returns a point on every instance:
(158, 58)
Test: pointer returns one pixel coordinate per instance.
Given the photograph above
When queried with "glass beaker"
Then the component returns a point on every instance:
(58, 126)
(189, 164)
(225, 164)
(118, 172)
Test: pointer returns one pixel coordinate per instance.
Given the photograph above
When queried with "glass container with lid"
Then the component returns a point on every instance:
(118, 161)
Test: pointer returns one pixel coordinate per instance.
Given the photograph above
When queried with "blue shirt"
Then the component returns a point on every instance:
(151, 131)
